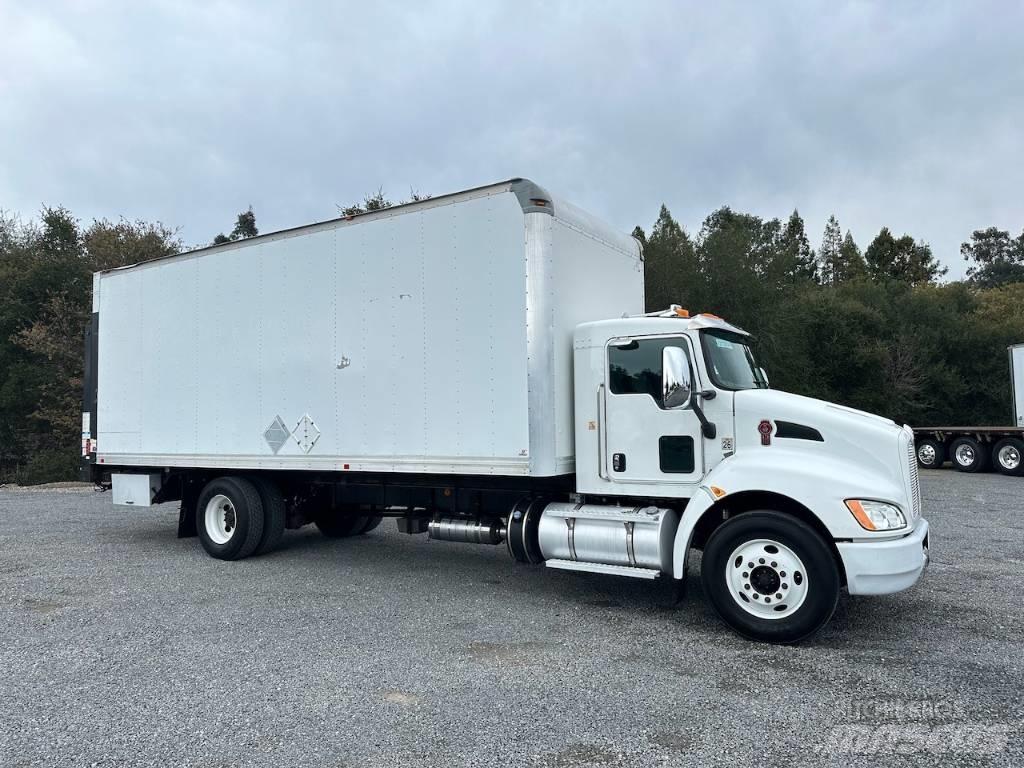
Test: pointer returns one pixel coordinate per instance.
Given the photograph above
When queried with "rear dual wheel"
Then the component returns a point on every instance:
(344, 520)
(969, 455)
(930, 453)
(237, 517)
(1008, 456)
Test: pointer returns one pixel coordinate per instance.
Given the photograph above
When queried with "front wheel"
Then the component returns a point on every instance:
(770, 577)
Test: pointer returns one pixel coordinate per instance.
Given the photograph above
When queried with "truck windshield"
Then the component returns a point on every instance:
(730, 362)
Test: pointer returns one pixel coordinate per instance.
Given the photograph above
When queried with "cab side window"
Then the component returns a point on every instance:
(635, 367)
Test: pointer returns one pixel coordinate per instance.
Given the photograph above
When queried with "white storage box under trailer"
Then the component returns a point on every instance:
(479, 367)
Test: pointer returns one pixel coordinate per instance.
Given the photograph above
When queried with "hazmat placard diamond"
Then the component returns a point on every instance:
(306, 433)
(277, 434)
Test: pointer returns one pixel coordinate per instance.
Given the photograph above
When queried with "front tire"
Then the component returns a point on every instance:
(968, 455)
(770, 577)
(229, 518)
(1008, 456)
(930, 453)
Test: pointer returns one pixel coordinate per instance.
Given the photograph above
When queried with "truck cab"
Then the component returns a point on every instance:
(774, 486)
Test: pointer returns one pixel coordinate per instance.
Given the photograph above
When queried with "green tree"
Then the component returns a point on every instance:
(670, 264)
(245, 226)
(45, 301)
(997, 258)
(798, 260)
(830, 252)
(851, 263)
(902, 259)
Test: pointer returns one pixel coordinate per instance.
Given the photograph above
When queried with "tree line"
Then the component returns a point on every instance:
(873, 329)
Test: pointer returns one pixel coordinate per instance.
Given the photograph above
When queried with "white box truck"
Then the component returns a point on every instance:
(479, 367)
(979, 448)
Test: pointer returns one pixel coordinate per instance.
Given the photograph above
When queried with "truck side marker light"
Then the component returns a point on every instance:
(682, 312)
(862, 517)
(718, 492)
(344, 466)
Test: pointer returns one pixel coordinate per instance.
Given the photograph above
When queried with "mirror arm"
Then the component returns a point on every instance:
(707, 429)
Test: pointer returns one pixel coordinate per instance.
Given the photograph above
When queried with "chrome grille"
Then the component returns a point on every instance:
(915, 484)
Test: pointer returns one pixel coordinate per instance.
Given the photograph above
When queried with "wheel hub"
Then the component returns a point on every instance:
(1009, 457)
(766, 578)
(220, 519)
(965, 455)
(927, 454)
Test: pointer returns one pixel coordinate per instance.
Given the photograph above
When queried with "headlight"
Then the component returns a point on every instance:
(876, 515)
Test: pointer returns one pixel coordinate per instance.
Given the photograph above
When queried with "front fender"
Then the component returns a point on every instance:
(818, 482)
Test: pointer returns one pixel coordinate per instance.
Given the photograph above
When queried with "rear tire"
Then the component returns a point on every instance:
(229, 518)
(1008, 456)
(770, 577)
(343, 520)
(273, 514)
(930, 453)
(968, 455)
(372, 522)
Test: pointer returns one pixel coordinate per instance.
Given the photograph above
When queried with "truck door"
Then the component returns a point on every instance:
(645, 442)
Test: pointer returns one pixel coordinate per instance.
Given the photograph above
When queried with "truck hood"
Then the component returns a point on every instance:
(836, 423)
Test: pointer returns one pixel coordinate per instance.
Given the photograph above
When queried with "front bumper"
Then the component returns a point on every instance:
(883, 567)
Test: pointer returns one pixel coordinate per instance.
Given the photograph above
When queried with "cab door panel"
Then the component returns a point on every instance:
(644, 443)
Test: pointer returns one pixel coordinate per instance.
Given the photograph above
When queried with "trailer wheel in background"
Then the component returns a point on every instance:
(1008, 456)
(229, 518)
(930, 453)
(770, 577)
(273, 514)
(968, 455)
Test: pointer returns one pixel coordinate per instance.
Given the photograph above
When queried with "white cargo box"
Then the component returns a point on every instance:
(434, 337)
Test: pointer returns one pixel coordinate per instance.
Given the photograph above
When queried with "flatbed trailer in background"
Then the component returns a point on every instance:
(975, 449)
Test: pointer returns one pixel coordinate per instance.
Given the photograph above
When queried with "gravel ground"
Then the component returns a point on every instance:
(121, 644)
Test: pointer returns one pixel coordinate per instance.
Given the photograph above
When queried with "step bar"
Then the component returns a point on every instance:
(611, 570)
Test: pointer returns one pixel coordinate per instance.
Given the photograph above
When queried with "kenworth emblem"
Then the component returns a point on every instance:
(765, 428)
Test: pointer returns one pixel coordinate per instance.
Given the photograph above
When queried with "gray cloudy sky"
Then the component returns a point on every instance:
(900, 114)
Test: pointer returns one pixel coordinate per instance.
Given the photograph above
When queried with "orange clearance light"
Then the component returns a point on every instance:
(682, 312)
(713, 317)
(862, 517)
(718, 492)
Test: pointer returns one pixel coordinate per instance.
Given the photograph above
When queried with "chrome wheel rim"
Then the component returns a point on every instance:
(926, 454)
(766, 579)
(219, 519)
(1009, 457)
(964, 455)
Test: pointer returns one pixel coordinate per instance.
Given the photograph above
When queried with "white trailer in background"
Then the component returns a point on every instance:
(975, 449)
(478, 366)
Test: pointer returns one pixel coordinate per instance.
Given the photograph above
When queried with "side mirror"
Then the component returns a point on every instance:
(675, 379)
